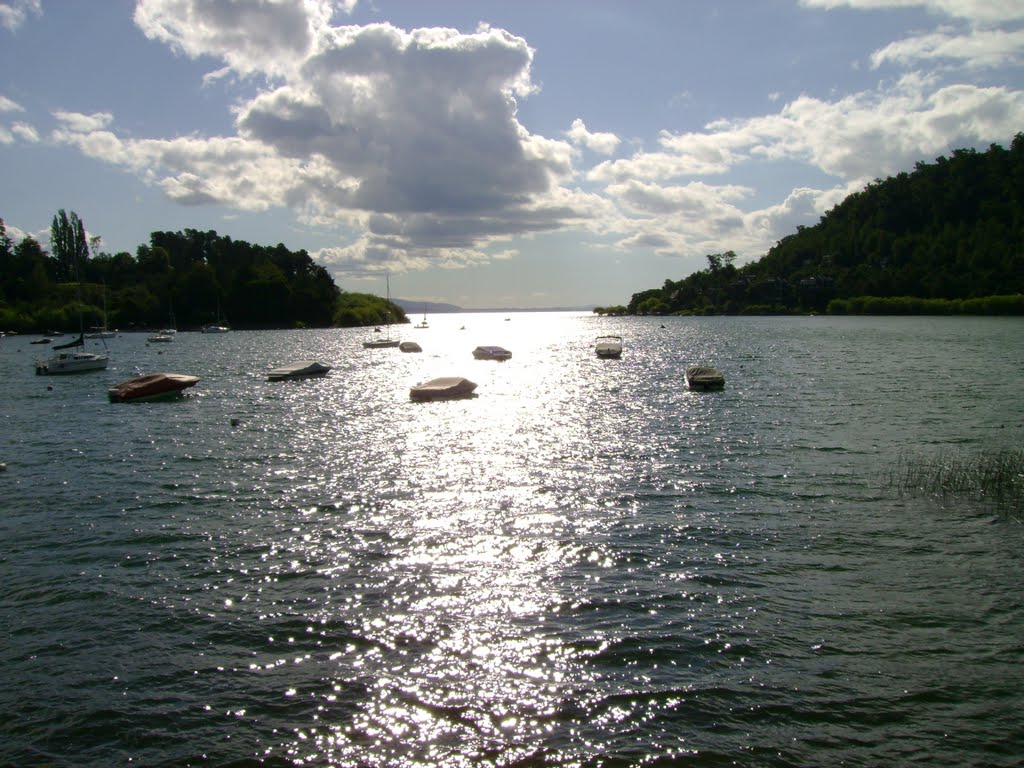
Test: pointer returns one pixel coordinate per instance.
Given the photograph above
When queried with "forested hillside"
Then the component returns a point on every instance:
(186, 278)
(947, 237)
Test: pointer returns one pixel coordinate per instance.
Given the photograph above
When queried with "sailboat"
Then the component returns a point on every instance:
(165, 335)
(76, 361)
(217, 327)
(388, 342)
(102, 332)
(423, 323)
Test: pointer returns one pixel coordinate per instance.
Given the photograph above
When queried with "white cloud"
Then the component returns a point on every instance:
(8, 105)
(979, 49)
(270, 37)
(14, 12)
(25, 132)
(410, 135)
(975, 11)
(602, 143)
(80, 123)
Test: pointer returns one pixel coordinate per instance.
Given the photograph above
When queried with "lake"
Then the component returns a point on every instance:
(585, 565)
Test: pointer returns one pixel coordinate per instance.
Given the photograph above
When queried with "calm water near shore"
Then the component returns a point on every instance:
(585, 565)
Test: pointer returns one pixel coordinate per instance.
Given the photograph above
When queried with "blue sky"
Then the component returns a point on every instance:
(521, 154)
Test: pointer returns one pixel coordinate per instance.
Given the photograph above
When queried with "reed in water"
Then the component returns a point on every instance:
(994, 477)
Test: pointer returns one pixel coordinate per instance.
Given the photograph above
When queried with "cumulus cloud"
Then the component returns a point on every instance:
(14, 12)
(267, 38)
(602, 143)
(410, 135)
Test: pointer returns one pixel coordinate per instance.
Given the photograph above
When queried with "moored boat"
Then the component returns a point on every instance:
(153, 386)
(608, 346)
(704, 377)
(77, 361)
(410, 346)
(444, 388)
(492, 353)
(300, 369)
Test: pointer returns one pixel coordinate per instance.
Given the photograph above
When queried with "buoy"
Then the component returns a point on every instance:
(235, 422)
(3, 467)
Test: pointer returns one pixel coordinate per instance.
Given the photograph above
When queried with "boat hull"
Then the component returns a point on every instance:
(155, 386)
(303, 369)
(492, 353)
(704, 378)
(445, 388)
(75, 362)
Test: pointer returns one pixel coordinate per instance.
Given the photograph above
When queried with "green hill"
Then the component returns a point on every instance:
(945, 238)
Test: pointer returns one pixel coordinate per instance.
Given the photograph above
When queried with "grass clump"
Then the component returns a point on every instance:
(992, 477)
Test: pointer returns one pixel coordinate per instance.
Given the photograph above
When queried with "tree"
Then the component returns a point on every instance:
(68, 246)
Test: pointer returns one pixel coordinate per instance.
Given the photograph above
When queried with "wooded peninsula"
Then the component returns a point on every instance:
(182, 279)
(947, 238)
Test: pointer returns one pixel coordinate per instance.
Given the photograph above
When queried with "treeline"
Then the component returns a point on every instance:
(947, 238)
(185, 278)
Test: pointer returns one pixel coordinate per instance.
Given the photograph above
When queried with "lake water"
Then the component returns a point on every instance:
(585, 565)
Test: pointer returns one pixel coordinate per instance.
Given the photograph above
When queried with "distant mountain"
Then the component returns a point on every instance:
(415, 307)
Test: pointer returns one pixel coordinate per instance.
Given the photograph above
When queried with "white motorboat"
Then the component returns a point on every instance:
(492, 353)
(608, 346)
(445, 388)
(704, 377)
(161, 338)
(153, 386)
(214, 328)
(300, 369)
(77, 361)
(410, 346)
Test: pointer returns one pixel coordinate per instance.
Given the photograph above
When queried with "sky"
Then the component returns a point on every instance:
(536, 153)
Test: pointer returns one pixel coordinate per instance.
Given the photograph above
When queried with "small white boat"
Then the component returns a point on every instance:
(161, 338)
(301, 369)
(214, 328)
(492, 353)
(704, 377)
(608, 346)
(154, 386)
(445, 388)
(410, 346)
(77, 361)
(381, 343)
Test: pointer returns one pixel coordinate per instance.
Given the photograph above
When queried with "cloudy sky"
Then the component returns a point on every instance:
(532, 153)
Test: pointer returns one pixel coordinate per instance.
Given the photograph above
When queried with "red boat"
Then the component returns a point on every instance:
(155, 386)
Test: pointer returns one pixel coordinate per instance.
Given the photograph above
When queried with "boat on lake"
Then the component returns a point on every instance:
(704, 377)
(300, 369)
(410, 346)
(75, 361)
(153, 386)
(444, 388)
(386, 342)
(219, 326)
(492, 353)
(161, 338)
(608, 346)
